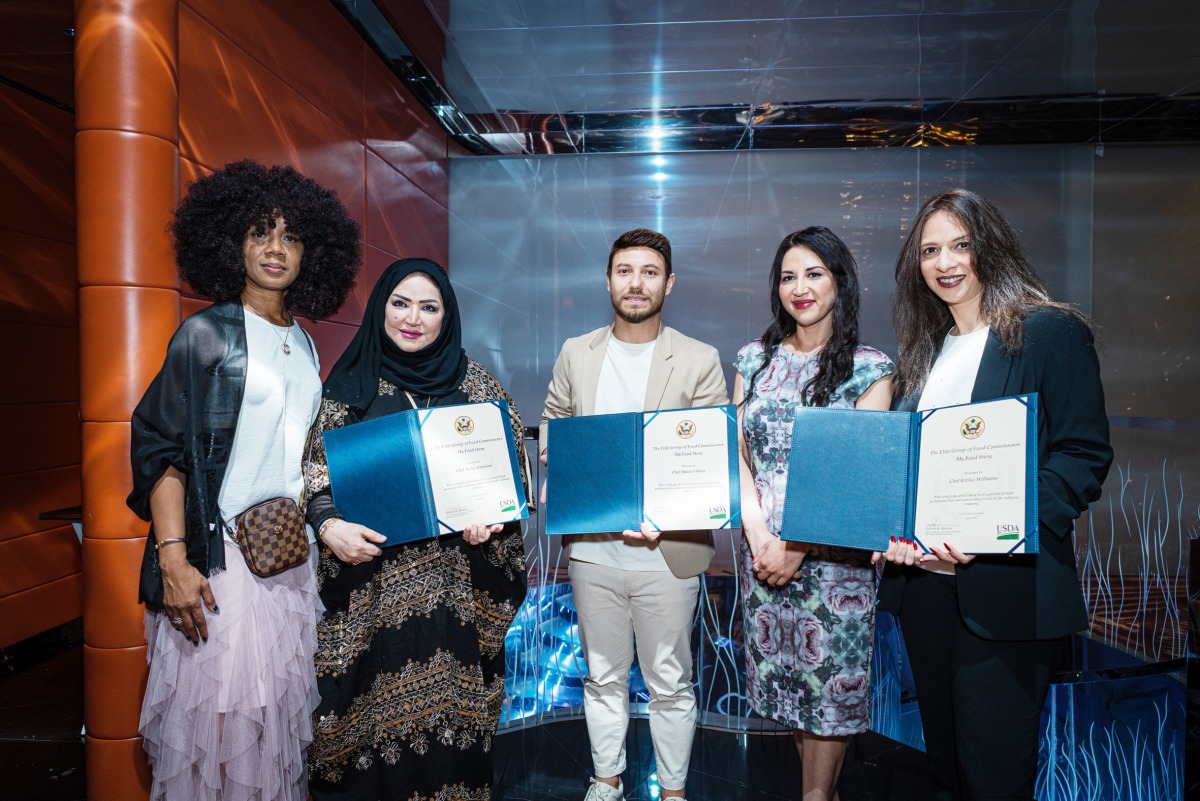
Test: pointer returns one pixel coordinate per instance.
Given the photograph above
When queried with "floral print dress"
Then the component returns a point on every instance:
(808, 643)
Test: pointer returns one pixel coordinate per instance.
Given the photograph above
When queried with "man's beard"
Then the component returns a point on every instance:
(640, 314)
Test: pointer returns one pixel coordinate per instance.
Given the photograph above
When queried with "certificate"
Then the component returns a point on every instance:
(972, 481)
(685, 478)
(674, 470)
(424, 472)
(960, 475)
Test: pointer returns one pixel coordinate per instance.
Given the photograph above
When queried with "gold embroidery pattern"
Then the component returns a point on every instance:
(332, 414)
(491, 621)
(441, 698)
(457, 792)
(415, 582)
(495, 703)
(507, 552)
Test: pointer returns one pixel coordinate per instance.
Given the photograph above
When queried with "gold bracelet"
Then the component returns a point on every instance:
(325, 525)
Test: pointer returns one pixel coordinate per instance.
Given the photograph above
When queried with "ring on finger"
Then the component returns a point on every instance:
(176, 621)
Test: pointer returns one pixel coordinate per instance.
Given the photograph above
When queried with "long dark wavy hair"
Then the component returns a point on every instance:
(1011, 288)
(211, 222)
(835, 365)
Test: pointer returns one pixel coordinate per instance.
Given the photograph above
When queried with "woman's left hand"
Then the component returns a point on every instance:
(948, 553)
(478, 534)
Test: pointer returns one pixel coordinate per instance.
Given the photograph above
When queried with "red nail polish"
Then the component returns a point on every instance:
(893, 539)
(947, 547)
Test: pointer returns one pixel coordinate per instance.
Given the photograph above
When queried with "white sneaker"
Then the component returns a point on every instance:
(599, 791)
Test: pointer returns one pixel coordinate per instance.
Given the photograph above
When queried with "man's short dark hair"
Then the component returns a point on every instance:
(642, 238)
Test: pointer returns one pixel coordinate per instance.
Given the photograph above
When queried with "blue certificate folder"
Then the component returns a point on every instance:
(379, 474)
(853, 477)
(594, 479)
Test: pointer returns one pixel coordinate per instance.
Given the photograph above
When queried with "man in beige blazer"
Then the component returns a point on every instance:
(636, 585)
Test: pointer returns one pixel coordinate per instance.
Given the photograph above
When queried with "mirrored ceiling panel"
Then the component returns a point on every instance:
(551, 75)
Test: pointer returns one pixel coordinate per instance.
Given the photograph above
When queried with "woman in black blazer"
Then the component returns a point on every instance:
(985, 634)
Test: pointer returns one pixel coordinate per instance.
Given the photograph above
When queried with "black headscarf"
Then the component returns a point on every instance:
(434, 371)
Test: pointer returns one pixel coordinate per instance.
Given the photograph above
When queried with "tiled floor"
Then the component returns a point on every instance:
(41, 751)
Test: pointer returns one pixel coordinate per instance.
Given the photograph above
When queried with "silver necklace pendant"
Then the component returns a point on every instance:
(286, 350)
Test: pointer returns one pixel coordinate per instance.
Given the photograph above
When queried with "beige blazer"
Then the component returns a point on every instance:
(685, 372)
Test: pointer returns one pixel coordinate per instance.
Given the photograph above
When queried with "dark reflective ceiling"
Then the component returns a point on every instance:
(565, 76)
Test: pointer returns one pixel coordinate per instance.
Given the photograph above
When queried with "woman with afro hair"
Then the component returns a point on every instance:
(226, 712)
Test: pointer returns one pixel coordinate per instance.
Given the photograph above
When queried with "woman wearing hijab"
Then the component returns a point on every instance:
(410, 652)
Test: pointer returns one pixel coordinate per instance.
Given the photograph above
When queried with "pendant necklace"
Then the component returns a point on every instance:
(283, 339)
(413, 401)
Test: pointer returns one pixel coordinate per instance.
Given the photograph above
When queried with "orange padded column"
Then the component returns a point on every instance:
(127, 180)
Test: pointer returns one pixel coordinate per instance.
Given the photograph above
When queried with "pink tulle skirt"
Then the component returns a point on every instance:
(230, 720)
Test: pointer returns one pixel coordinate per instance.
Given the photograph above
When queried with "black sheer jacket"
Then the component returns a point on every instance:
(187, 420)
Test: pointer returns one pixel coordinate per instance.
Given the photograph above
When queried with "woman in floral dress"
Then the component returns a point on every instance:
(808, 610)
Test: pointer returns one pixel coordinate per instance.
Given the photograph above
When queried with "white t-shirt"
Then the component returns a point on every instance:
(621, 388)
(951, 380)
(952, 377)
(283, 393)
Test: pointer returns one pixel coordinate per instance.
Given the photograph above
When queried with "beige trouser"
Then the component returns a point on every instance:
(615, 608)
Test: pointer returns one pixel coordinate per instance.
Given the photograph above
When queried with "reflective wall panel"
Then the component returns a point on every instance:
(1146, 293)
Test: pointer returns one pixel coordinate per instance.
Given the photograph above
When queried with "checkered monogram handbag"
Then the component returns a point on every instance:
(272, 537)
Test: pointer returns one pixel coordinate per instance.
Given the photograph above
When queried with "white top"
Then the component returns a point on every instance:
(283, 393)
(951, 380)
(622, 388)
(952, 377)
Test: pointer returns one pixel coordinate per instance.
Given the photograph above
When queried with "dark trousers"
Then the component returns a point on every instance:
(981, 700)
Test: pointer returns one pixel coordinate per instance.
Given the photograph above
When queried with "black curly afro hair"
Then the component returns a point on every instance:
(210, 227)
